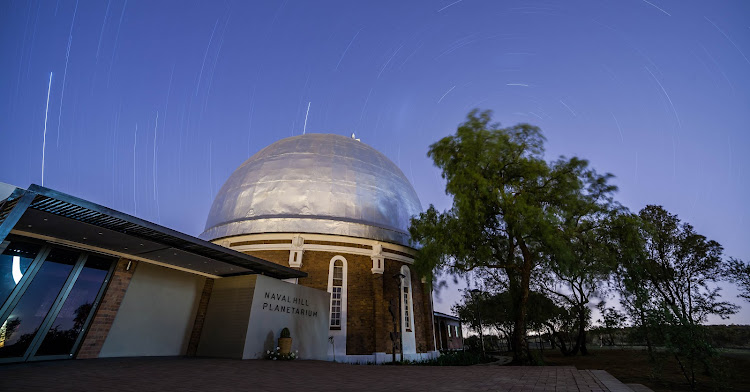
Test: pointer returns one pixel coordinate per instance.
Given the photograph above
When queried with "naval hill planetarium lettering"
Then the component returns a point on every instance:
(289, 304)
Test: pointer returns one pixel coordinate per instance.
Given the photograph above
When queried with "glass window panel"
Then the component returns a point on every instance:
(69, 322)
(336, 292)
(407, 319)
(19, 328)
(338, 270)
(14, 262)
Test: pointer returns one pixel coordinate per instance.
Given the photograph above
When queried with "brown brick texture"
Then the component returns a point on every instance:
(107, 310)
(420, 304)
(368, 321)
(276, 256)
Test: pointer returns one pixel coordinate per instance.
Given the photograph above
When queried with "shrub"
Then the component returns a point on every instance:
(277, 355)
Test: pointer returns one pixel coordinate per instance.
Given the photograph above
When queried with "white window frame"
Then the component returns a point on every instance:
(342, 325)
(407, 311)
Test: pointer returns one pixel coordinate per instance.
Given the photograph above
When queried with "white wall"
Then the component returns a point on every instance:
(308, 327)
(156, 315)
(409, 340)
(246, 314)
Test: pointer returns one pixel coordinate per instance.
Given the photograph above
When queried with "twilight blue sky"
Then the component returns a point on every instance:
(152, 104)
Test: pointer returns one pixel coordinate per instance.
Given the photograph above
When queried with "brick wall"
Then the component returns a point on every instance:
(359, 304)
(420, 304)
(391, 290)
(200, 318)
(275, 256)
(368, 321)
(360, 317)
(381, 316)
(449, 340)
(360, 339)
(422, 314)
(107, 310)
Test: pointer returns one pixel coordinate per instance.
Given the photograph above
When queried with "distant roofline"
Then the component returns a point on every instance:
(448, 316)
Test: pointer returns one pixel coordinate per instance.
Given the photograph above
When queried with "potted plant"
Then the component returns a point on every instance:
(285, 342)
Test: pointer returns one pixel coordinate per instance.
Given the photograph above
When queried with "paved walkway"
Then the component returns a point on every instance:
(202, 374)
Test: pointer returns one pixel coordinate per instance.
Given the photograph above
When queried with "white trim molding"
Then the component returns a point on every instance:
(296, 251)
(381, 357)
(338, 346)
(295, 242)
(378, 259)
(409, 337)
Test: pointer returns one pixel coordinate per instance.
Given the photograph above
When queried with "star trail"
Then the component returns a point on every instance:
(656, 92)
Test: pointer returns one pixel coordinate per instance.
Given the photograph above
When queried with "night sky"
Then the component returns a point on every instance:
(153, 104)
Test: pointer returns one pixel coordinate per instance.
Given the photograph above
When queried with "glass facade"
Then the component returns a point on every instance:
(47, 295)
(21, 325)
(69, 323)
(14, 261)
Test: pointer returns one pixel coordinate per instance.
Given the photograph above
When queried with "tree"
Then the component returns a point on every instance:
(545, 315)
(508, 204)
(611, 322)
(671, 289)
(738, 272)
(587, 251)
(81, 314)
(493, 309)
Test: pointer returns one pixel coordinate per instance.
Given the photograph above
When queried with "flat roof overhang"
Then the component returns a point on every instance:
(58, 217)
(446, 316)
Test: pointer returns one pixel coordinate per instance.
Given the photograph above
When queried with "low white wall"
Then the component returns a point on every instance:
(246, 314)
(378, 358)
(156, 315)
(277, 305)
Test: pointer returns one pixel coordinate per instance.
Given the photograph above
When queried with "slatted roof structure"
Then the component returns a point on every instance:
(55, 216)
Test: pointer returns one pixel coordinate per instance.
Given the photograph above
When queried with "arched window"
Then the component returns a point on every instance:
(337, 288)
(406, 297)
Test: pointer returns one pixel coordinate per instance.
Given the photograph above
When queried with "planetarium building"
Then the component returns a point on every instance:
(307, 239)
(338, 210)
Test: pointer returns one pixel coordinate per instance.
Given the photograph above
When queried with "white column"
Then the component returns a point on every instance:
(378, 260)
(295, 254)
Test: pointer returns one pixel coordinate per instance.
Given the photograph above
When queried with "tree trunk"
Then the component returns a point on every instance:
(582, 331)
(561, 341)
(582, 338)
(576, 345)
(521, 355)
(520, 345)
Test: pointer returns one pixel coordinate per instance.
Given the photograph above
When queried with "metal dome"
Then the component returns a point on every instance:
(315, 183)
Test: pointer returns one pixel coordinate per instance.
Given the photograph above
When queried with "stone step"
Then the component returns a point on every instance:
(610, 383)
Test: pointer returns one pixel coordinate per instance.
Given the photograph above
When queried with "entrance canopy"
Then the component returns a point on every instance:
(54, 216)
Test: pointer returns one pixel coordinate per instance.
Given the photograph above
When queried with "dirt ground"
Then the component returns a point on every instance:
(633, 366)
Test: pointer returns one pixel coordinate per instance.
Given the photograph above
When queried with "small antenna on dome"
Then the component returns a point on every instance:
(355, 138)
